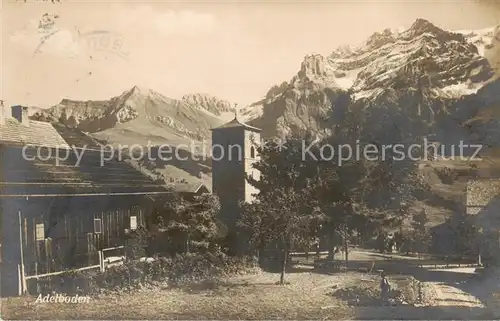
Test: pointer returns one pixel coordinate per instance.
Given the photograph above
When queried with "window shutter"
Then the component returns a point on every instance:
(97, 226)
(40, 232)
(133, 222)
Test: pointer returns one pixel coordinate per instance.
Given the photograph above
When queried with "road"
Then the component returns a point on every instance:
(447, 295)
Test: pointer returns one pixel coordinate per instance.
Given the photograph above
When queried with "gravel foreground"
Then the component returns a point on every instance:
(308, 295)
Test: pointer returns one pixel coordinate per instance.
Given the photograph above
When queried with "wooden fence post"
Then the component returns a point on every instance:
(37, 283)
(22, 272)
(101, 261)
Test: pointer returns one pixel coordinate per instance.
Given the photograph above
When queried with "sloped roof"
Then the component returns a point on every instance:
(82, 173)
(235, 123)
(480, 192)
(37, 134)
(192, 187)
(81, 170)
(76, 138)
(483, 202)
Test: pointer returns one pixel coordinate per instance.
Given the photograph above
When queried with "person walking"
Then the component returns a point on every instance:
(385, 287)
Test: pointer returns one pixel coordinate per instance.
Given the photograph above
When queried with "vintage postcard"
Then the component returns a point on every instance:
(298, 160)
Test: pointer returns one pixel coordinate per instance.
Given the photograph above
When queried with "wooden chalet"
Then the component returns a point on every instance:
(483, 203)
(59, 204)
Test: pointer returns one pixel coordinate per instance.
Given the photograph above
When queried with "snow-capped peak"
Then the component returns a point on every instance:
(483, 39)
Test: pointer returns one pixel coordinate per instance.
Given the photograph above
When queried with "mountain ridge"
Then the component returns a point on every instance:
(446, 64)
(192, 116)
(398, 86)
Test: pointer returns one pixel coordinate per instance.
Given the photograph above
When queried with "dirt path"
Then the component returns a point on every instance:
(446, 295)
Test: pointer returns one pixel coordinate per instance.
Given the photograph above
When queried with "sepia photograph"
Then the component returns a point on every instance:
(250, 160)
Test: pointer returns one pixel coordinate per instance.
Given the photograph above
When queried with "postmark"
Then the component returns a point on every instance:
(95, 44)
(103, 41)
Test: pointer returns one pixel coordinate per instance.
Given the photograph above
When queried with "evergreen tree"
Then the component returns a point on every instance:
(420, 233)
(191, 224)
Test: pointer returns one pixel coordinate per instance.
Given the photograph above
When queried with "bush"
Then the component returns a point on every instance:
(179, 270)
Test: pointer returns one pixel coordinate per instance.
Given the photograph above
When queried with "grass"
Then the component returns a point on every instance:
(249, 297)
(307, 295)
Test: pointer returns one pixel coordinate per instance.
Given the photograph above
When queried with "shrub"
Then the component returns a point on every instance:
(132, 274)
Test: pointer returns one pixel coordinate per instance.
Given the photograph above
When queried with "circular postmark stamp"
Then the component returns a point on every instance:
(102, 42)
(94, 44)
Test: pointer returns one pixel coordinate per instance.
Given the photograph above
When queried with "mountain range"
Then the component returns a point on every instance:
(139, 115)
(392, 67)
(397, 86)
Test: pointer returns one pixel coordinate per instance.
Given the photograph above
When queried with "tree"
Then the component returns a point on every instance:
(191, 224)
(420, 233)
(356, 194)
(376, 193)
(366, 195)
(399, 239)
(286, 211)
(285, 217)
(465, 236)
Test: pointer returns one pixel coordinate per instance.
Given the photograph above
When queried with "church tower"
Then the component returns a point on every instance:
(234, 151)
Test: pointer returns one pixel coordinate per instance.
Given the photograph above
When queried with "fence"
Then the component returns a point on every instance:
(53, 246)
(39, 283)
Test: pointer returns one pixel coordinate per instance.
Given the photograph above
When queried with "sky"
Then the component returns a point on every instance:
(235, 51)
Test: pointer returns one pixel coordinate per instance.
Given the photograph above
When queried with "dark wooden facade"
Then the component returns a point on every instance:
(65, 199)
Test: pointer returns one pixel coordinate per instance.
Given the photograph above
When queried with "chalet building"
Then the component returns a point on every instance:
(483, 203)
(461, 175)
(234, 151)
(189, 190)
(59, 205)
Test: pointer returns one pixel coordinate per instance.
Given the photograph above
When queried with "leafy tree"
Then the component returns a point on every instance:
(367, 195)
(286, 211)
(465, 236)
(137, 242)
(420, 233)
(376, 192)
(399, 240)
(191, 224)
(284, 217)
(356, 194)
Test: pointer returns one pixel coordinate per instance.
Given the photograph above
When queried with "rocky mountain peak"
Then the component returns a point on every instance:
(208, 102)
(379, 39)
(313, 65)
(417, 68)
(138, 91)
(342, 51)
(423, 26)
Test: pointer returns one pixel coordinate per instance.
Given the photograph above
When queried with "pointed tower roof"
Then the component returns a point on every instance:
(236, 123)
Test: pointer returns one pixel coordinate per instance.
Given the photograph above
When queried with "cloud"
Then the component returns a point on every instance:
(184, 22)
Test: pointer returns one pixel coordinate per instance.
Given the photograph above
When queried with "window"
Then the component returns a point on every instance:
(252, 152)
(97, 226)
(133, 222)
(40, 232)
